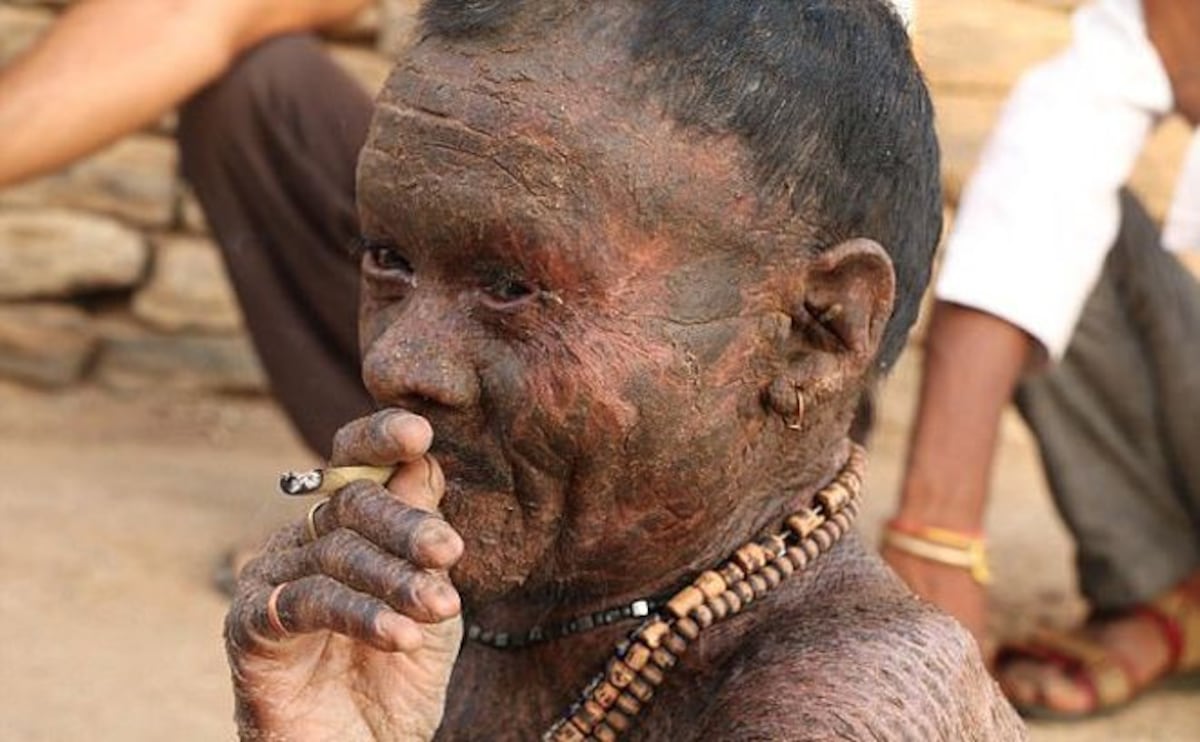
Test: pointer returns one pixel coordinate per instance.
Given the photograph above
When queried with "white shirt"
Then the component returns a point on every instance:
(1041, 211)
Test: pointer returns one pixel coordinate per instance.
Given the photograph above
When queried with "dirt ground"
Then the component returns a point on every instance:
(115, 509)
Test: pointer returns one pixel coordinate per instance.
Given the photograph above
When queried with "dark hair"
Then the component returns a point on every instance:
(824, 93)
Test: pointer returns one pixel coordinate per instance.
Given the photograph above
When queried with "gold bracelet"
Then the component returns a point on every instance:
(943, 546)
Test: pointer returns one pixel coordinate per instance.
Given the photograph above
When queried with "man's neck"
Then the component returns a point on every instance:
(550, 610)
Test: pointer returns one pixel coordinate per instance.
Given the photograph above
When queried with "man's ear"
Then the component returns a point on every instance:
(845, 303)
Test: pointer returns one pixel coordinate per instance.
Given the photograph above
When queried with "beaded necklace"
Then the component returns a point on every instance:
(640, 608)
(608, 705)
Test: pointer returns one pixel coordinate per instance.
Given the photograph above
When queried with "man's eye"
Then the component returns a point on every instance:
(389, 259)
(508, 291)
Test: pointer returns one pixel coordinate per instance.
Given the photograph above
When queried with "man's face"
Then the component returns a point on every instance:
(561, 281)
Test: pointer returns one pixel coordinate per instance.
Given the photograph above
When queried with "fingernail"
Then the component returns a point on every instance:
(442, 600)
(438, 546)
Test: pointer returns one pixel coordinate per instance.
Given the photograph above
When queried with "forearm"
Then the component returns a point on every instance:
(973, 362)
(110, 67)
(1174, 27)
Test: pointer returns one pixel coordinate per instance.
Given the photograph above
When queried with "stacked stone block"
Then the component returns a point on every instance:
(107, 270)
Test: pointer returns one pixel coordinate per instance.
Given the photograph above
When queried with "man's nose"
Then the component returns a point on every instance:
(422, 359)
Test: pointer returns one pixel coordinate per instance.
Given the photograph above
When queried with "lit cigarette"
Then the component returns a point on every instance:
(328, 481)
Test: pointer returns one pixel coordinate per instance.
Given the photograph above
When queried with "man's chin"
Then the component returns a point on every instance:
(479, 583)
(499, 553)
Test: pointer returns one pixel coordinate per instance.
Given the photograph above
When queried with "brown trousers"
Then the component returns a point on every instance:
(271, 151)
(1118, 423)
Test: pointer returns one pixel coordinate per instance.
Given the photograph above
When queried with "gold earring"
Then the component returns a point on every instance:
(798, 415)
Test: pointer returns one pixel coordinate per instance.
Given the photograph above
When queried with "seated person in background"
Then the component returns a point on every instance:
(628, 267)
(1041, 224)
(269, 131)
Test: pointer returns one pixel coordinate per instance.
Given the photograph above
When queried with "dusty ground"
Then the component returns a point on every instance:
(115, 509)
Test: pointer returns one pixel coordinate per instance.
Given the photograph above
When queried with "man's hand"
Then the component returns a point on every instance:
(353, 636)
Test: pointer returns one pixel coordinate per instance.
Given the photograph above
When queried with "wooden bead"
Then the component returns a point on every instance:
(774, 545)
(833, 498)
(652, 633)
(857, 462)
(617, 720)
(619, 673)
(843, 521)
(833, 529)
(732, 573)
(733, 601)
(580, 722)
(750, 557)
(676, 644)
(703, 616)
(604, 733)
(785, 566)
(687, 627)
(758, 584)
(651, 674)
(851, 481)
(718, 606)
(606, 694)
(641, 690)
(592, 711)
(798, 557)
(565, 731)
(810, 547)
(664, 659)
(803, 523)
(637, 656)
(823, 539)
(771, 574)
(685, 600)
(628, 704)
(710, 583)
(745, 592)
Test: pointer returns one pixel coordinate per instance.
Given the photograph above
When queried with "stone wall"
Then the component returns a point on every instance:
(107, 272)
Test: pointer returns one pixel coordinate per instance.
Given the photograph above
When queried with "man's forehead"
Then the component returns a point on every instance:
(560, 132)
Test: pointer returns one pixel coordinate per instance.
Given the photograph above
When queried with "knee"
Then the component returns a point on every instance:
(232, 107)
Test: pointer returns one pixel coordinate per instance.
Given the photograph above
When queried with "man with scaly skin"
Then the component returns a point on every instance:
(627, 269)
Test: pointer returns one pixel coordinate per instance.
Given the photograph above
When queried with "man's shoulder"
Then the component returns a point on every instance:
(890, 669)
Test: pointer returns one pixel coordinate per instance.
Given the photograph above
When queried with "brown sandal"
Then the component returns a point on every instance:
(1100, 671)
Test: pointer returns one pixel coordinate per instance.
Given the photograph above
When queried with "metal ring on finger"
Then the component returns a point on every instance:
(273, 619)
(311, 519)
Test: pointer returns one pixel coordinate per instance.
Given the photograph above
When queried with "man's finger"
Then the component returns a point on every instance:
(315, 604)
(385, 438)
(419, 484)
(411, 533)
(420, 594)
